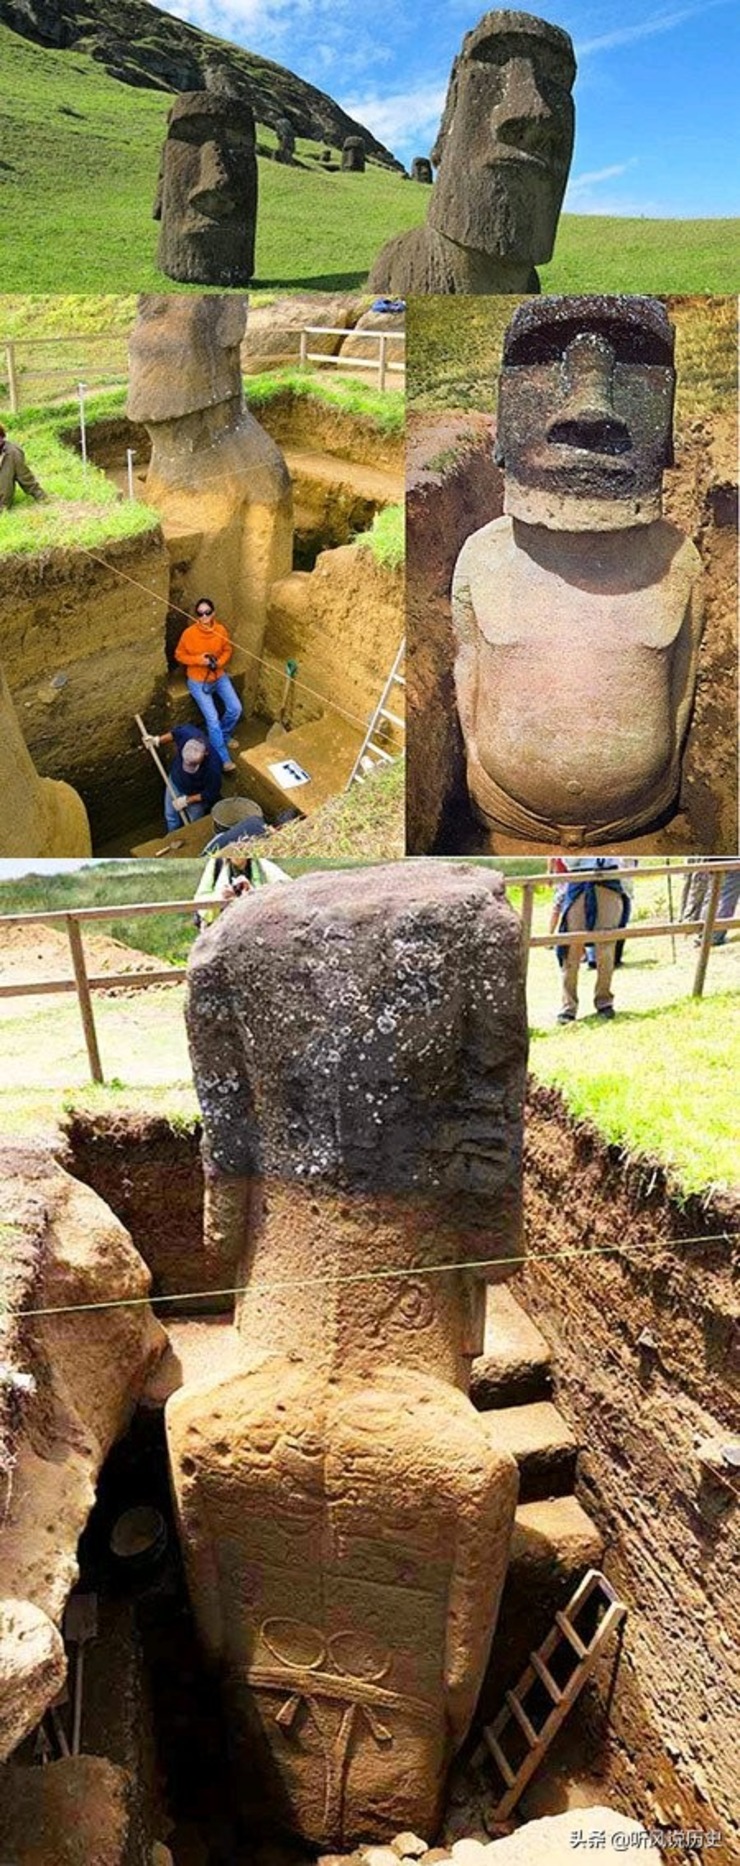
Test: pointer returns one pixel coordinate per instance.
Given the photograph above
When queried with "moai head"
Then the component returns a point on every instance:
(506, 139)
(585, 412)
(421, 169)
(184, 354)
(353, 155)
(207, 200)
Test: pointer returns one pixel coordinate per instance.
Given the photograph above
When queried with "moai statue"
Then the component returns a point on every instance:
(353, 155)
(502, 157)
(358, 1042)
(219, 483)
(578, 616)
(286, 141)
(41, 816)
(421, 170)
(206, 196)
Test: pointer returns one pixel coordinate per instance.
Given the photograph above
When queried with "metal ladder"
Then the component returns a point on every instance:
(370, 753)
(533, 1712)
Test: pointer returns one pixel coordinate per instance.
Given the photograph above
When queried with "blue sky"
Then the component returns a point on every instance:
(656, 93)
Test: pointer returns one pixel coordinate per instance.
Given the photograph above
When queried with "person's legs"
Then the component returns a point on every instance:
(204, 699)
(172, 816)
(232, 710)
(573, 957)
(609, 915)
(729, 895)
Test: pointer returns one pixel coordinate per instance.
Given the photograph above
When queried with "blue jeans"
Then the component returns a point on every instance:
(219, 728)
(172, 816)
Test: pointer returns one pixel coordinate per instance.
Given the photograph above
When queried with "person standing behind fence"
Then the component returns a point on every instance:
(593, 907)
(204, 650)
(696, 895)
(15, 471)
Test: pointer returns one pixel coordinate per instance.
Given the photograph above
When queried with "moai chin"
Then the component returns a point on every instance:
(353, 155)
(502, 157)
(578, 616)
(359, 1045)
(218, 481)
(206, 198)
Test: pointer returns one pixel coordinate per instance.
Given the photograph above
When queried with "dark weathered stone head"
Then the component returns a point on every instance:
(353, 155)
(208, 192)
(585, 413)
(421, 169)
(506, 138)
(184, 354)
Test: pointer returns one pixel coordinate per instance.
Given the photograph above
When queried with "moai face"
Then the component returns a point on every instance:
(353, 155)
(421, 170)
(208, 203)
(585, 415)
(184, 354)
(506, 139)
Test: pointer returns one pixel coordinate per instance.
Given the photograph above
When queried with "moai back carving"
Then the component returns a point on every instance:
(359, 1048)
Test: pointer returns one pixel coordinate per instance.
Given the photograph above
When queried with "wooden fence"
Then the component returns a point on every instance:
(75, 919)
(381, 363)
(61, 378)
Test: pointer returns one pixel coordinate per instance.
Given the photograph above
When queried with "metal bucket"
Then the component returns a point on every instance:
(232, 810)
(138, 1538)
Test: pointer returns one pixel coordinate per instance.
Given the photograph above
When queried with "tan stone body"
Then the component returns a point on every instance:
(40, 816)
(358, 1043)
(575, 672)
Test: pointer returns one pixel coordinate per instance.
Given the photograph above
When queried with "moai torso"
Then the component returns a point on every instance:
(359, 1044)
(502, 154)
(578, 616)
(218, 481)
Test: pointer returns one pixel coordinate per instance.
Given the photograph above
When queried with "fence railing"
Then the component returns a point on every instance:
(112, 372)
(85, 984)
(382, 364)
(709, 922)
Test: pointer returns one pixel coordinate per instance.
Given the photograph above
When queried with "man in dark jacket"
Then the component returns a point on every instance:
(195, 774)
(14, 471)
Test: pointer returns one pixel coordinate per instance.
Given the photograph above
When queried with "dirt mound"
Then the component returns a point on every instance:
(31, 955)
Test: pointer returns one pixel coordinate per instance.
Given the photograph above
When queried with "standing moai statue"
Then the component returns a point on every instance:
(218, 481)
(359, 1045)
(353, 155)
(578, 616)
(206, 197)
(421, 170)
(41, 815)
(285, 133)
(502, 157)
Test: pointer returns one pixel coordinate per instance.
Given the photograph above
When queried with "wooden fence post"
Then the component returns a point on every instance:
(715, 888)
(382, 360)
(303, 350)
(84, 997)
(12, 378)
(527, 911)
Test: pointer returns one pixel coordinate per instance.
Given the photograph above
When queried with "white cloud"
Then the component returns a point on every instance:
(595, 175)
(403, 117)
(646, 28)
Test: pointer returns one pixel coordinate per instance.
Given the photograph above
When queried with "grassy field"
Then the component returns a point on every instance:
(658, 1081)
(104, 884)
(80, 162)
(454, 353)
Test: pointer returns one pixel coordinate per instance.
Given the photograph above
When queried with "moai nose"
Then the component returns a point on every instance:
(210, 178)
(586, 416)
(521, 105)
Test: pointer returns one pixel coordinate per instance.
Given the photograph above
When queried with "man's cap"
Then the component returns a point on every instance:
(193, 753)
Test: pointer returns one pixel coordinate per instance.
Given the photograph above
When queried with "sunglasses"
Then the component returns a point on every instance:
(203, 614)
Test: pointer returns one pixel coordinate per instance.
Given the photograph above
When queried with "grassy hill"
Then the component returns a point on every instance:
(79, 164)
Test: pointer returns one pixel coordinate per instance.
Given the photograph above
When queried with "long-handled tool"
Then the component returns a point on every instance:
(80, 1625)
(145, 737)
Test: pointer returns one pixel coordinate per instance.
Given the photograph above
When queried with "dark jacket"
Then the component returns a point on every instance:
(14, 471)
(206, 781)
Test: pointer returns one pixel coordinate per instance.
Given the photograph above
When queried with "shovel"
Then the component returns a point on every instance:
(80, 1625)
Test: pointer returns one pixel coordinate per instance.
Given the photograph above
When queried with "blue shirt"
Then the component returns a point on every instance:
(206, 781)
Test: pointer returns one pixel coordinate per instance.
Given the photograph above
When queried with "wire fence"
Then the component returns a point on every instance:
(74, 920)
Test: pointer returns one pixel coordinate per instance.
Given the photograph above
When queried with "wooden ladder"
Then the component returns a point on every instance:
(371, 753)
(533, 1712)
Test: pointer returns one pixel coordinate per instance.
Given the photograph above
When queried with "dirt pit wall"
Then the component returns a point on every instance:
(646, 1347)
(342, 622)
(84, 652)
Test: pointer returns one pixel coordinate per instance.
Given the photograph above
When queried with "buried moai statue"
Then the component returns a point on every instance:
(41, 815)
(502, 157)
(218, 481)
(421, 170)
(206, 196)
(359, 1046)
(353, 155)
(578, 616)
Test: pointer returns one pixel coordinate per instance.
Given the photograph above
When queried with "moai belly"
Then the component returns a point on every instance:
(575, 733)
(346, 1545)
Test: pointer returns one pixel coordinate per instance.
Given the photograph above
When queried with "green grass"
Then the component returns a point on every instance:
(84, 507)
(370, 817)
(384, 407)
(78, 188)
(454, 349)
(168, 937)
(386, 538)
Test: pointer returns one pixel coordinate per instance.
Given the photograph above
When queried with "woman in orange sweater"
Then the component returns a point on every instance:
(204, 650)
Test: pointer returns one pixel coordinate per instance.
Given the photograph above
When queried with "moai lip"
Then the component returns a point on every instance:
(502, 156)
(359, 1046)
(578, 616)
(207, 192)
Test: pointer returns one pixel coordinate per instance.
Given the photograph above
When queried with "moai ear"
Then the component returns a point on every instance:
(232, 322)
